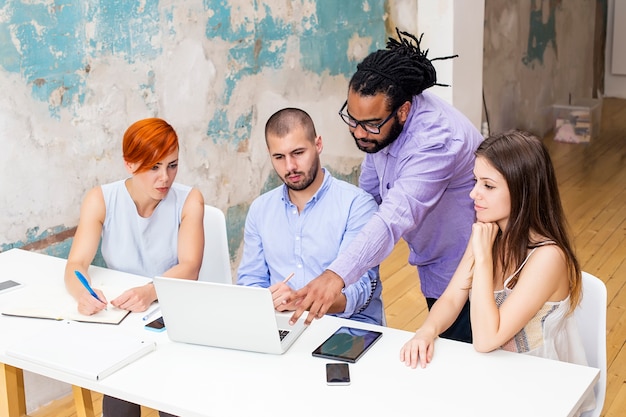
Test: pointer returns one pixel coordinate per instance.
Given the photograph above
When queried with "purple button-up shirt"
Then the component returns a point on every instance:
(422, 183)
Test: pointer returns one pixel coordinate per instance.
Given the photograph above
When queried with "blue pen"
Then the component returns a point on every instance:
(83, 281)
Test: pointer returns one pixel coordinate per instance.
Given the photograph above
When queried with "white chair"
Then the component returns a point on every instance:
(590, 315)
(216, 259)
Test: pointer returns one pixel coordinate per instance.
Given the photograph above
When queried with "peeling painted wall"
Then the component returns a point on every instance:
(77, 73)
(537, 53)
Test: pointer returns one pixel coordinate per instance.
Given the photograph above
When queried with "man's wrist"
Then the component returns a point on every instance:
(332, 273)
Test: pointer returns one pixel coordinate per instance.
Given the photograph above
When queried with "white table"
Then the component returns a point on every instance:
(190, 380)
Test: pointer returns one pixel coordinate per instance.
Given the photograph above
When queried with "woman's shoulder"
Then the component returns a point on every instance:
(547, 259)
(111, 187)
(191, 195)
(547, 248)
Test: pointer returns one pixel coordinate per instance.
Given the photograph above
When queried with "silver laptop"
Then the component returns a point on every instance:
(224, 315)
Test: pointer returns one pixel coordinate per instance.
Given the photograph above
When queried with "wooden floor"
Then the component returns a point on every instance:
(592, 180)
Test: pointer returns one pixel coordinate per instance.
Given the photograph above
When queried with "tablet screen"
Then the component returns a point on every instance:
(347, 344)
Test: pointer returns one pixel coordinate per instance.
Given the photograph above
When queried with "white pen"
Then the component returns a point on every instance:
(151, 314)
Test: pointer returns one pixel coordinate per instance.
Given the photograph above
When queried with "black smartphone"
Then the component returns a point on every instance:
(157, 325)
(337, 374)
(9, 284)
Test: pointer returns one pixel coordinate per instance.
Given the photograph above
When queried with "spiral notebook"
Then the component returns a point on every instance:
(89, 352)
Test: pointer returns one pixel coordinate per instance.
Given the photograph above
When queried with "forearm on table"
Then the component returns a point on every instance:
(184, 270)
(72, 284)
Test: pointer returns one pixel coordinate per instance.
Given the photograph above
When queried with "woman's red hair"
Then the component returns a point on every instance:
(147, 142)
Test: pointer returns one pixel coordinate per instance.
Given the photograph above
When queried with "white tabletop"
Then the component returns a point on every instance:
(189, 380)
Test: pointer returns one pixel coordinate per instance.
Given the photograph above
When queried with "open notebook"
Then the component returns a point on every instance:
(55, 303)
(89, 352)
(112, 315)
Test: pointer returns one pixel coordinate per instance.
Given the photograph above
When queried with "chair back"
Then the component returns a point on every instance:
(216, 259)
(590, 315)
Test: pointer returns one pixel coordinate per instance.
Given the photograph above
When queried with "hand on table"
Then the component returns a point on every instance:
(418, 350)
(136, 299)
(89, 305)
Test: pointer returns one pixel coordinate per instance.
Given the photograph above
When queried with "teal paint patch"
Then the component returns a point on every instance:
(33, 234)
(540, 35)
(324, 46)
(59, 249)
(125, 28)
(272, 181)
(47, 45)
(8, 246)
(48, 51)
(235, 223)
(352, 177)
(219, 130)
(62, 250)
(218, 126)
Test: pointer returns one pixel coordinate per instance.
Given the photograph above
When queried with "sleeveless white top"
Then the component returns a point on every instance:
(550, 334)
(138, 245)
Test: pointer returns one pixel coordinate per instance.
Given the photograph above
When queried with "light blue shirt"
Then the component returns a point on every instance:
(278, 241)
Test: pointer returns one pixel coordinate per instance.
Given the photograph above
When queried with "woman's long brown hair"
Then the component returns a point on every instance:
(525, 164)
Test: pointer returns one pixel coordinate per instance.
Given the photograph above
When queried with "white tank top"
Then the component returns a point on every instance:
(138, 245)
(551, 333)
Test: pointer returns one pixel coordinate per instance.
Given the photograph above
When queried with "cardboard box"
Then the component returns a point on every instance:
(578, 122)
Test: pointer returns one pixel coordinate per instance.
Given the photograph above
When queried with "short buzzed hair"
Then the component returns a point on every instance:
(284, 121)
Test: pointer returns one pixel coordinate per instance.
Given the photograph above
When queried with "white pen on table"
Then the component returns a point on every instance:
(151, 314)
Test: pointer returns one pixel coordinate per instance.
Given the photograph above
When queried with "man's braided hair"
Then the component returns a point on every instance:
(400, 72)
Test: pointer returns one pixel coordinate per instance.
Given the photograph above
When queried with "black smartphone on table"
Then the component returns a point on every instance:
(157, 325)
(9, 285)
(337, 374)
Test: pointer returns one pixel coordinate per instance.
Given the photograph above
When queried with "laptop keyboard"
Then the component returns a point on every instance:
(283, 333)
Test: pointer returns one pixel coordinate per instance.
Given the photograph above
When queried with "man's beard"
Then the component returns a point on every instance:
(304, 183)
(394, 132)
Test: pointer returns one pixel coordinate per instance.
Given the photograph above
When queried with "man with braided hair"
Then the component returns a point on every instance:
(418, 166)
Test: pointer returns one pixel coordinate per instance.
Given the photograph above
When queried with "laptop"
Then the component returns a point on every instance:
(224, 315)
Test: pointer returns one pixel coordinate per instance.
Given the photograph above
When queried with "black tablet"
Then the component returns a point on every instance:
(347, 344)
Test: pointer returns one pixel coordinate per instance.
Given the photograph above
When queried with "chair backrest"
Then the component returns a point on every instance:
(216, 260)
(590, 316)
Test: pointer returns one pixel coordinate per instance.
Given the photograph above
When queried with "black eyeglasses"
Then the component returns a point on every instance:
(369, 127)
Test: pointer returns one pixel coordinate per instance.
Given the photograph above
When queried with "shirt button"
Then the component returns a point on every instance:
(300, 266)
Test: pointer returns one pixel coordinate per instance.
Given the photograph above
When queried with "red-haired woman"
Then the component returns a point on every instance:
(149, 224)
